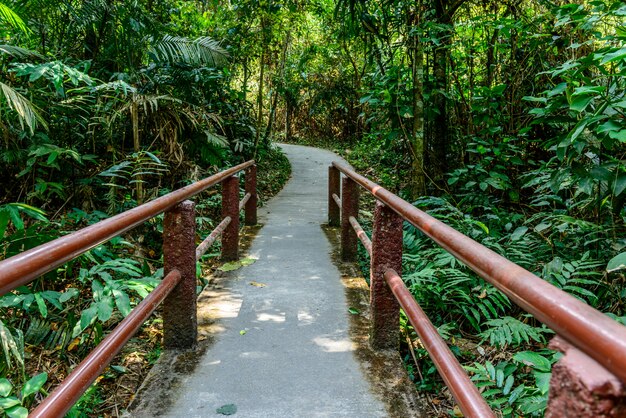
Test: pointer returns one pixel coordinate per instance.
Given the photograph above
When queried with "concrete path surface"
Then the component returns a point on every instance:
(283, 348)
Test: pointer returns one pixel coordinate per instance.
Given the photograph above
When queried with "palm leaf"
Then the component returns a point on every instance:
(199, 51)
(16, 51)
(27, 112)
(8, 16)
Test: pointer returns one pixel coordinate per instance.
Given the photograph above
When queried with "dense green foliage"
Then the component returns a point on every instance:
(505, 120)
(105, 104)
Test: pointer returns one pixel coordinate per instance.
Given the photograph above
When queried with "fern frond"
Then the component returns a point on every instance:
(27, 112)
(19, 52)
(199, 51)
(511, 331)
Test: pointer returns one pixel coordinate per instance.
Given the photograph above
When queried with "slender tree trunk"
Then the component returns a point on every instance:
(288, 116)
(134, 116)
(259, 102)
(418, 183)
(246, 76)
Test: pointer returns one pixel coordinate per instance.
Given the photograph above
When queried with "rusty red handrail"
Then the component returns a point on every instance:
(358, 230)
(468, 397)
(591, 331)
(210, 239)
(67, 393)
(23, 268)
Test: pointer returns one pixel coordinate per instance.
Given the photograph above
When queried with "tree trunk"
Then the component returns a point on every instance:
(288, 116)
(259, 101)
(440, 125)
(418, 183)
(134, 116)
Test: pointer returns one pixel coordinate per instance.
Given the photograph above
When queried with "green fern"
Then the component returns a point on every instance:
(507, 331)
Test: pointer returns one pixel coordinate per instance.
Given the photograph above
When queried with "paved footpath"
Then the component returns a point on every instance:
(284, 348)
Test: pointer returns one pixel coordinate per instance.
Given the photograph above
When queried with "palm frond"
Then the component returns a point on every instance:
(27, 112)
(18, 52)
(8, 16)
(200, 51)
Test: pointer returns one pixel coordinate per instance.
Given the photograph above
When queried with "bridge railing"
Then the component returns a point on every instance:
(589, 379)
(177, 290)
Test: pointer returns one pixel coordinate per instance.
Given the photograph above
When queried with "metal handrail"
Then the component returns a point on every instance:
(24, 267)
(71, 389)
(597, 335)
(469, 399)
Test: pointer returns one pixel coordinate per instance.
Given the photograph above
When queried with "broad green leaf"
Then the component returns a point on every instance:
(508, 384)
(516, 393)
(41, 305)
(534, 360)
(579, 103)
(5, 387)
(17, 412)
(353, 311)
(88, 316)
(543, 381)
(234, 265)
(16, 218)
(619, 135)
(119, 369)
(68, 294)
(122, 302)
(519, 233)
(616, 263)
(588, 90)
(614, 56)
(34, 385)
(105, 310)
(229, 409)
(6, 403)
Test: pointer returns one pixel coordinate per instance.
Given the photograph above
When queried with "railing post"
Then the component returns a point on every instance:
(334, 187)
(179, 253)
(349, 207)
(250, 209)
(580, 387)
(230, 207)
(386, 254)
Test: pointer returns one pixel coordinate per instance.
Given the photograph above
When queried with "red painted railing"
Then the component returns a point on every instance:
(597, 340)
(177, 290)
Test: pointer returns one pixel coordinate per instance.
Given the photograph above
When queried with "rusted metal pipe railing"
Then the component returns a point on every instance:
(24, 267)
(466, 394)
(177, 290)
(210, 239)
(365, 240)
(250, 215)
(334, 190)
(243, 202)
(337, 200)
(591, 331)
(67, 393)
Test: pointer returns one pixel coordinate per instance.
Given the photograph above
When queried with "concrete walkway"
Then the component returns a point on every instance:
(283, 348)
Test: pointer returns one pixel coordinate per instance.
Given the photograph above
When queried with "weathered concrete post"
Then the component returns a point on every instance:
(250, 209)
(386, 254)
(334, 188)
(179, 253)
(349, 207)
(230, 207)
(581, 388)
